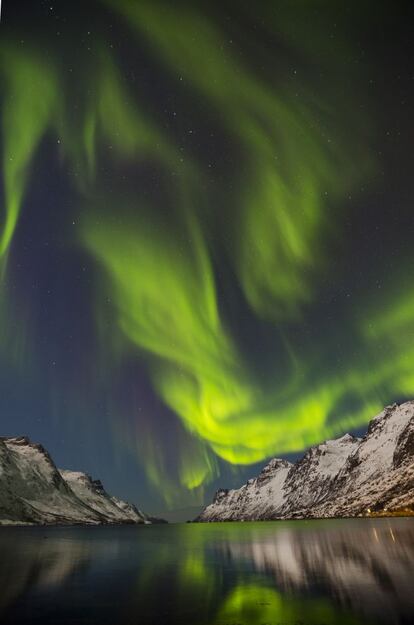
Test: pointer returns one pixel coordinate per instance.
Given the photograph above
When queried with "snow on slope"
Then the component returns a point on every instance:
(311, 480)
(33, 490)
(94, 495)
(342, 477)
(264, 492)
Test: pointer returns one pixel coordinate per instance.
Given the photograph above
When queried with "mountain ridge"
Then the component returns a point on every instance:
(347, 476)
(34, 491)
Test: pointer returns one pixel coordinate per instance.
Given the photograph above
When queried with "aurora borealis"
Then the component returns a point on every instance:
(205, 235)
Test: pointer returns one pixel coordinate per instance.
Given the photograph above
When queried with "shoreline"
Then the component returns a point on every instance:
(400, 515)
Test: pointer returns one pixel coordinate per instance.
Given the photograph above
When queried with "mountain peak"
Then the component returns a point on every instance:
(15, 440)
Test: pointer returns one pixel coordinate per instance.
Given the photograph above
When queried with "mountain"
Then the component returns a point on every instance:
(33, 490)
(347, 476)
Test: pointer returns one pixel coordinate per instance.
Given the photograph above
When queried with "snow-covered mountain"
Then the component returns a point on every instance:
(33, 490)
(347, 476)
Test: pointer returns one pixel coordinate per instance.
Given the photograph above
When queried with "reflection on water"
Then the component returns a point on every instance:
(24, 565)
(367, 567)
(298, 573)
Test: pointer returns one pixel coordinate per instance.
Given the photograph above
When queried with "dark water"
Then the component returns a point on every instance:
(308, 573)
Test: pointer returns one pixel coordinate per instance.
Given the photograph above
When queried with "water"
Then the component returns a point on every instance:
(281, 573)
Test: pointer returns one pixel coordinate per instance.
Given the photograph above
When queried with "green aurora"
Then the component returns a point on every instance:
(284, 198)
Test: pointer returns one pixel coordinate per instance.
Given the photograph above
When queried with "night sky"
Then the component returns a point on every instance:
(206, 233)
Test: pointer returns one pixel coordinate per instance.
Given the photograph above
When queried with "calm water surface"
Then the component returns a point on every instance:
(282, 573)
